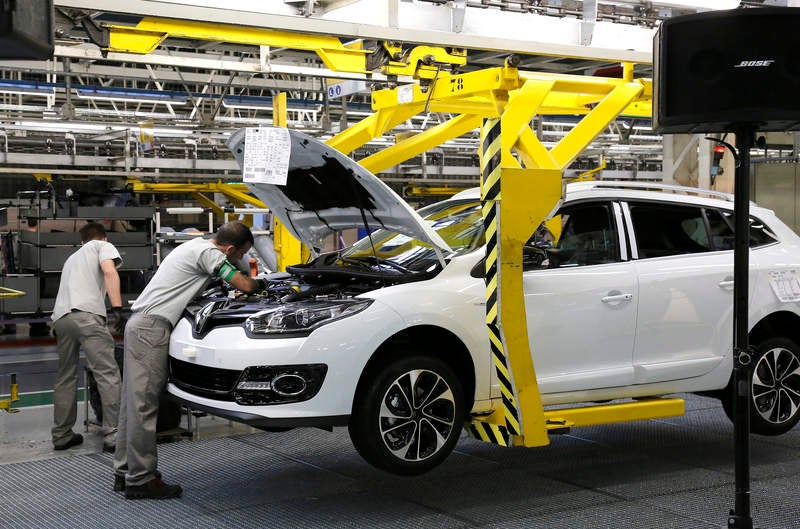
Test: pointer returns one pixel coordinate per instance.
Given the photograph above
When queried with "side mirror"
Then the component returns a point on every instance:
(479, 270)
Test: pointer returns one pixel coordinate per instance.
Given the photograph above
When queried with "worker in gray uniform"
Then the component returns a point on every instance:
(79, 317)
(182, 275)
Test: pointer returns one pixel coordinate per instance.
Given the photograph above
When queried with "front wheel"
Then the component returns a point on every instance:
(774, 388)
(408, 416)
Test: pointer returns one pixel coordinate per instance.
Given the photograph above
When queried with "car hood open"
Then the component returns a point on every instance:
(326, 191)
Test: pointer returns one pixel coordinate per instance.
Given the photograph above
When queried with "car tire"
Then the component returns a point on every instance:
(774, 388)
(407, 417)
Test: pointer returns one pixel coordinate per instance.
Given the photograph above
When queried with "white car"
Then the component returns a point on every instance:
(387, 336)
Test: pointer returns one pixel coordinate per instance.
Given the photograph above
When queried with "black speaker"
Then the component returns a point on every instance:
(717, 69)
(26, 29)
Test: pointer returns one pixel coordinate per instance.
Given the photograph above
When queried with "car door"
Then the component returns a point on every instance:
(580, 302)
(685, 289)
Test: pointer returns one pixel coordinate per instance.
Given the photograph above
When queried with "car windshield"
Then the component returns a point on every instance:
(459, 223)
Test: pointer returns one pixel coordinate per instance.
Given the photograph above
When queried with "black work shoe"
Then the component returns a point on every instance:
(75, 440)
(119, 481)
(155, 489)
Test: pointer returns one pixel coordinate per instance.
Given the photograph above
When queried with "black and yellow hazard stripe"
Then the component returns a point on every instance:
(490, 433)
(490, 196)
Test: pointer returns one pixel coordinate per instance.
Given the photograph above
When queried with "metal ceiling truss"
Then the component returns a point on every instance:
(196, 57)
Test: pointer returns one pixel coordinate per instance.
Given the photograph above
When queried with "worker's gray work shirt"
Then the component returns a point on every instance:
(178, 280)
(83, 285)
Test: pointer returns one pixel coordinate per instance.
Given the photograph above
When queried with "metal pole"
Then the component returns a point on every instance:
(740, 516)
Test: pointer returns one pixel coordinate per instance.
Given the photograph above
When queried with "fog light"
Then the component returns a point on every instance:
(289, 385)
(260, 385)
(254, 385)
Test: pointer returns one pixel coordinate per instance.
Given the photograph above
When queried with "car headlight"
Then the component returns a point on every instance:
(302, 317)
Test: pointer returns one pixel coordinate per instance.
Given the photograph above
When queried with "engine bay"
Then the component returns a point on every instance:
(329, 277)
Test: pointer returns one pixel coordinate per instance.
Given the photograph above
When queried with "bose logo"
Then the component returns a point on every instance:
(755, 64)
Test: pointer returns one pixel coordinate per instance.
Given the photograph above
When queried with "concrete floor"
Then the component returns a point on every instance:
(670, 473)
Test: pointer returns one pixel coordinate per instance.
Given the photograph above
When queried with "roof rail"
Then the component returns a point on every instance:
(669, 188)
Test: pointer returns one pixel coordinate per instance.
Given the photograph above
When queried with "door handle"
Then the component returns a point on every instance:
(726, 283)
(615, 298)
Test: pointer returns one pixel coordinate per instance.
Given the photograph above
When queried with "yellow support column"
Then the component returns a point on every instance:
(506, 423)
(279, 110)
(5, 404)
(288, 250)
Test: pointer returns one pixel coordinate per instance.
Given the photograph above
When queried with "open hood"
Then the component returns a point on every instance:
(318, 190)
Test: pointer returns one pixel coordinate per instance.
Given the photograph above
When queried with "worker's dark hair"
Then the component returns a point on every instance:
(92, 231)
(32, 222)
(234, 233)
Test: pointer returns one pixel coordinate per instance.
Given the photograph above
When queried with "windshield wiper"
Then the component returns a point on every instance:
(377, 261)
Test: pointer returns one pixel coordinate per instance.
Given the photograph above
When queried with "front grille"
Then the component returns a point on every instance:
(204, 381)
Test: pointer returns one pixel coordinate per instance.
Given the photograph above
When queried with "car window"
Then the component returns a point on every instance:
(721, 223)
(459, 223)
(587, 237)
(668, 229)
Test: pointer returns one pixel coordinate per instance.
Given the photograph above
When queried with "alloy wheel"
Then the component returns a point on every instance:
(776, 385)
(417, 415)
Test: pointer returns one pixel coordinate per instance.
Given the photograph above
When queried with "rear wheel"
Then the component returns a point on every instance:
(774, 388)
(407, 418)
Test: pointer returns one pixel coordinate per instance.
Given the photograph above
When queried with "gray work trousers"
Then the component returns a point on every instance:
(73, 331)
(143, 381)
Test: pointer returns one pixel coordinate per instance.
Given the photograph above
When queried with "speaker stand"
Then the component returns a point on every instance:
(740, 517)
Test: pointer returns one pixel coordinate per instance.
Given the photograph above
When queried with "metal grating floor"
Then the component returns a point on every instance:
(666, 474)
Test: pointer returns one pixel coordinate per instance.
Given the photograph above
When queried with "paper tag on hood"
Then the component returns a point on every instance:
(266, 156)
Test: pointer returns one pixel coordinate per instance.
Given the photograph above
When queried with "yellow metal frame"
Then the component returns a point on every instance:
(526, 180)
(6, 293)
(423, 62)
(149, 33)
(529, 189)
(5, 404)
(589, 175)
(237, 193)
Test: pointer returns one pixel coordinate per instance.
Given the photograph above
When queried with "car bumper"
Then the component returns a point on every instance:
(343, 347)
(257, 421)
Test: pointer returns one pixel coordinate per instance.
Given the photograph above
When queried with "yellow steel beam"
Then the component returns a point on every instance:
(237, 194)
(5, 404)
(373, 126)
(485, 93)
(610, 413)
(288, 250)
(279, 110)
(528, 197)
(149, 33)
(430, 191)
(589, 175)
(424, 62)
(523, 104)
(208, 203)
(593, 123)
(419, 143)
(7, 293)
